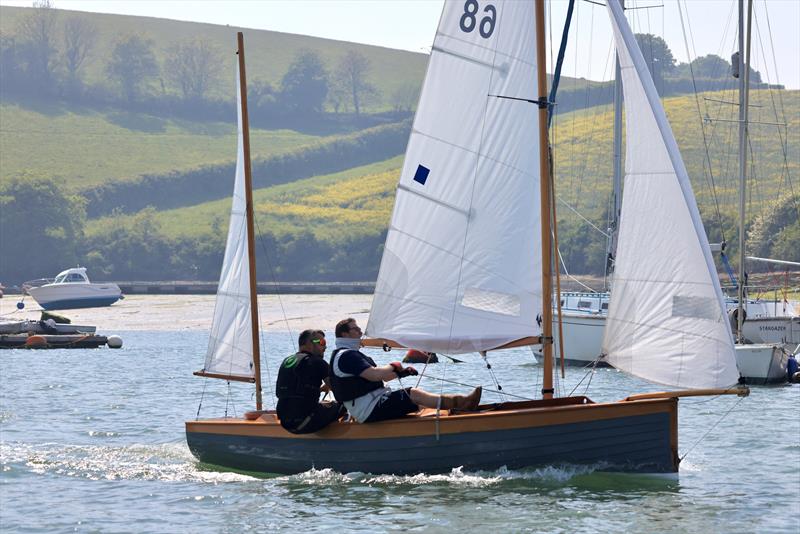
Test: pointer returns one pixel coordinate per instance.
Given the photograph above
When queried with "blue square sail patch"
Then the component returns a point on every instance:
(421, 175)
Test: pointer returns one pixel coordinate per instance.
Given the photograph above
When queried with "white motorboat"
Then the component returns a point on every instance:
(72, 289)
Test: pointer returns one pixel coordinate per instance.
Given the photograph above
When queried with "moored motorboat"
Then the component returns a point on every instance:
(72, 289)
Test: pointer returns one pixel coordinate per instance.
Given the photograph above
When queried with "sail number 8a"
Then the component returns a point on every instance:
(469, 19)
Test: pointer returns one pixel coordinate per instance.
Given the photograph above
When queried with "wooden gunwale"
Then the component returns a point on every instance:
(486, 421)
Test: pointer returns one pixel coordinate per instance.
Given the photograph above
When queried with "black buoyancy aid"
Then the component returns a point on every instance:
(347, 388)
(293, 382)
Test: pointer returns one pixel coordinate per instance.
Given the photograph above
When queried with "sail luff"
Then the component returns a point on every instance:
(251, 247)
(545, 198)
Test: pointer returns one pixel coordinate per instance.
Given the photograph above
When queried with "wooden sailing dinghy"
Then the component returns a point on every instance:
(467, 267)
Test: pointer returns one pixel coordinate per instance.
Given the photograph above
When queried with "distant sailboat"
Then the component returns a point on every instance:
(466, 268)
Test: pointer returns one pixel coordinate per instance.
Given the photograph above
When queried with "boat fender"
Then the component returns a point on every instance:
(35, 342)
(114, 342)
(20, 305)
(734, 315)
(791, 366)
(796, 378)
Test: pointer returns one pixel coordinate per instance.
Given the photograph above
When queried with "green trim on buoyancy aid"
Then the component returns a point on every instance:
(347, 388)
(292, 382)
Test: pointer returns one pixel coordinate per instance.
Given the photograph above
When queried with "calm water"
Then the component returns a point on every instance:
(92, 440)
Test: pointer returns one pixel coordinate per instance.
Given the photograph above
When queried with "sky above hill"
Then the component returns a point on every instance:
(711, 26)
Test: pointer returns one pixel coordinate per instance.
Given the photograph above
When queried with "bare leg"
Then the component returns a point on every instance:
(446, 402)
(423, 398)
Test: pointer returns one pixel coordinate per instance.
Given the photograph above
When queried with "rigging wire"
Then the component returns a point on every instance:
(712, 185)
(712, 426)
(501, 393)
(202, 396)
(564, 266)
(494, 377)
(283, 312)
(229, 400)
(590, 373)
(785, 174)
(587, 221)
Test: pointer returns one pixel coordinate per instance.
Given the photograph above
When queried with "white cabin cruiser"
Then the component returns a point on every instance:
(72, 289)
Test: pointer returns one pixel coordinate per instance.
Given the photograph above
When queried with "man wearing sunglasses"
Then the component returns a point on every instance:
(358, 383)
(301, 378)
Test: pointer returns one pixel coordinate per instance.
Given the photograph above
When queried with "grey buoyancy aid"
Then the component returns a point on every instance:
(293, 382)
(347, 387)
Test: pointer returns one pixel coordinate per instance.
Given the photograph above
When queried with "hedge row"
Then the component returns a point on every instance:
(212, 182)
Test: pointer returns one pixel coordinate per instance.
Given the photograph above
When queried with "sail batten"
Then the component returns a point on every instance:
(230, 344)
(666, 320)
(460, 266)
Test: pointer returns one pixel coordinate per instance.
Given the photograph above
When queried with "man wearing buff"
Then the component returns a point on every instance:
(358, 383)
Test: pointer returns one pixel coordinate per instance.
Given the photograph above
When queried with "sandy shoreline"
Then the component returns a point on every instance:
(194, 312)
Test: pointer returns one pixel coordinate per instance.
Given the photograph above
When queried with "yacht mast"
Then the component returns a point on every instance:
(617, 192)
(251, 247)
(545, 202)
(744, 99)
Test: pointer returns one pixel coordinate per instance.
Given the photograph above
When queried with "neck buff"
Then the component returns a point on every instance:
(348, 343)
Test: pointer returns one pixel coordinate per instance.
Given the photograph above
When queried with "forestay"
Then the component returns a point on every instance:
(666, 320)
(230, 347)
(461, 269)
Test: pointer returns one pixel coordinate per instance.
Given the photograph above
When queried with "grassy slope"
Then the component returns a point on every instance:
(90, 147)
(360, 199)
(583, 148)
(87, 147)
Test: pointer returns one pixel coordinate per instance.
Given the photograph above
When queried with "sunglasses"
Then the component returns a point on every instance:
(320, 341)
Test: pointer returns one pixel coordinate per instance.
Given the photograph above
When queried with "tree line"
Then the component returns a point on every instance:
(47, 53)
(43, 222)
(705, 73)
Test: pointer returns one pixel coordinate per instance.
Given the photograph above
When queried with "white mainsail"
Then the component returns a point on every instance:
(230, 346)
(666, 320)
(461, 267)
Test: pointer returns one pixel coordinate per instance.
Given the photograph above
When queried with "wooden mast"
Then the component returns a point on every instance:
(251, 246)
(545, 202)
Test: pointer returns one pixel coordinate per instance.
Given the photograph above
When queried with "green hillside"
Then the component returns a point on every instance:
(87, 148)
(583, 147)
(362, 197)
(355, 202)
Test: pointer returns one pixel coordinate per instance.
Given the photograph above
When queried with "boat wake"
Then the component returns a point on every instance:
(169, 462)
(457, 477)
